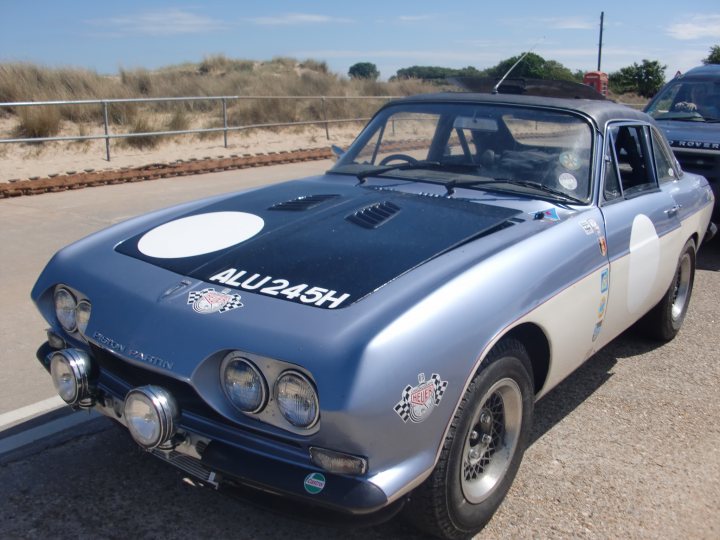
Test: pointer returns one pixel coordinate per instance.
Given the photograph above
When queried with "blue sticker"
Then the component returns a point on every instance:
(601, 309)
(551, 215)
(596, 332)
(604, 281)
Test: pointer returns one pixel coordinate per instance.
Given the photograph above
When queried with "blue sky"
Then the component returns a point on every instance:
(106, 36)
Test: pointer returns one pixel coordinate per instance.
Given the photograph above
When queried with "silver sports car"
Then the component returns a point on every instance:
(376, 337)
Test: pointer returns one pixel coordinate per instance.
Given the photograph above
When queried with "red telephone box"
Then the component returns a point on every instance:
(598, 80)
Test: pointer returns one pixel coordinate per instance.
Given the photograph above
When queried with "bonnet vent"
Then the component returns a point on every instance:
(305, 202)
(371, 217)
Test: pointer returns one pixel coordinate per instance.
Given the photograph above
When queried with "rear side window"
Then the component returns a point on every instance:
(631, 149)
(663, 160)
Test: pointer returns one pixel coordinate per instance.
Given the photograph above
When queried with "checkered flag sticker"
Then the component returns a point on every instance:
(417, 402)
(209, 301)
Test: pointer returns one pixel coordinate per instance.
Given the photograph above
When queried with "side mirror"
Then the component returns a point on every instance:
(337, 151)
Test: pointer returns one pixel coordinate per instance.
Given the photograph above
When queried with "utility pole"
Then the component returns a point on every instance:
(602, 16)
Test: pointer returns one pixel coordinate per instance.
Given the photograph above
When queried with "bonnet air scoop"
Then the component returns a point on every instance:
(304, 202)
(348, 243)
(371, 217)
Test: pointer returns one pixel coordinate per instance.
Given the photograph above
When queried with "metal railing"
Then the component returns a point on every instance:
(225, 129)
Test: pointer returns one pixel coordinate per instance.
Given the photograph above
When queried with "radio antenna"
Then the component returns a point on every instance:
(497, 86)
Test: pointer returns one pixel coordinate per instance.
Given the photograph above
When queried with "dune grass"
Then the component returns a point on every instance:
(216, 75)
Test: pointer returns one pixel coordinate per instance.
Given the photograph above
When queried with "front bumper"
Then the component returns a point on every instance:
(206, 450)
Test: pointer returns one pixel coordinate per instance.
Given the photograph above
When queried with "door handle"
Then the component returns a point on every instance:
(672, 212)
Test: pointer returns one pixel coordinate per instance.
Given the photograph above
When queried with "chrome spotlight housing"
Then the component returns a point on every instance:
(70, 370)
(151, 415)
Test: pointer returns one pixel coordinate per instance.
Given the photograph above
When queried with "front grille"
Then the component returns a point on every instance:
(133, 375)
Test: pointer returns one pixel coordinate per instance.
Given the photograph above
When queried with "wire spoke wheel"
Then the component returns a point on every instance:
(491, 441)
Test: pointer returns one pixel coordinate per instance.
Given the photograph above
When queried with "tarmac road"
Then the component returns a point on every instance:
(33, 228)
(627, 446)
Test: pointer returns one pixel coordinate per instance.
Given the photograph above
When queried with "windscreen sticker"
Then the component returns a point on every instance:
(267, 285)
(571, 161)
(208, 301)
(419, 401)
(568, 181)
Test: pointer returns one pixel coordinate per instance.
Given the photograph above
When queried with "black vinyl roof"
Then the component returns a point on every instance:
(599, 111)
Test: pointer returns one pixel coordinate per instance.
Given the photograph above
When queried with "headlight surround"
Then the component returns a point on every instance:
(151, 415)
(65, 309)
(243, 383)
(82, 315)
(297, 399)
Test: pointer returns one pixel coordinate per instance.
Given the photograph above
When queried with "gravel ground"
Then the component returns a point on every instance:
(626, 447)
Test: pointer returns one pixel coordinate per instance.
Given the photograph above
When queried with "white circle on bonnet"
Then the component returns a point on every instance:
(200, 234)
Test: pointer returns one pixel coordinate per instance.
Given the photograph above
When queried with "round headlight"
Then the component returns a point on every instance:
(297, 399)
(151, 415)
(243, 384)
(65, 305)
(82, 315)
(70, 371)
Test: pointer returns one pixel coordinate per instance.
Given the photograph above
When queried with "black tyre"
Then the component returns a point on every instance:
(483, 449)
(663, 322)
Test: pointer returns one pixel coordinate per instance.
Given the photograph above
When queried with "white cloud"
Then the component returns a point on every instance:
(423, 57)
(158, 23)
(570, 23)
(414, 18)
(297, 18)
(696, 27)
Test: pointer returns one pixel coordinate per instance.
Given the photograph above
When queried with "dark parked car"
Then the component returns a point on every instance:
(688, 110)
(376, 337)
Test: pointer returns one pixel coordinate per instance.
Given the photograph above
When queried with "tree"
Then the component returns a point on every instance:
(436, 73)
(644, 79)
(714, 56)
(364, 70)
(533, 66)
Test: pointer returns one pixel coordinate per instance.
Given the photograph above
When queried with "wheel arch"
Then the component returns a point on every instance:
(538, 348)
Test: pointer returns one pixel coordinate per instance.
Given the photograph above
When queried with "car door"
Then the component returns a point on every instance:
(642, 228)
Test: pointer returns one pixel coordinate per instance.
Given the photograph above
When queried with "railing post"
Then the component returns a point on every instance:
(324, 111)
(225, 124)
(107, 138)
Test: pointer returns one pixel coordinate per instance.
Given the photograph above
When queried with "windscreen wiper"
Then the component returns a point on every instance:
(363, 175)
(524, 183)
(547, 189)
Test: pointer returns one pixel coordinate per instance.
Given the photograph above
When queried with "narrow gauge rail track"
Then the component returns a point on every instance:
(91, 178)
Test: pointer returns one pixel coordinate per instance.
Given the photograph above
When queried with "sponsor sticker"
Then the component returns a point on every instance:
(601, 309)
(418, 402)
(587, 227)
(604, 280)
(548, 215)
(603, 245)
(314, 483)
(209, 301)
(596, 332)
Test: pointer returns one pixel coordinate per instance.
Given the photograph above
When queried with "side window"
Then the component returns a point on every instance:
(633, 163)
(611, 191)
(663, 161)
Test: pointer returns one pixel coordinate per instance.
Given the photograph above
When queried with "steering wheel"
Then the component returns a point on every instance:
(403, 157)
